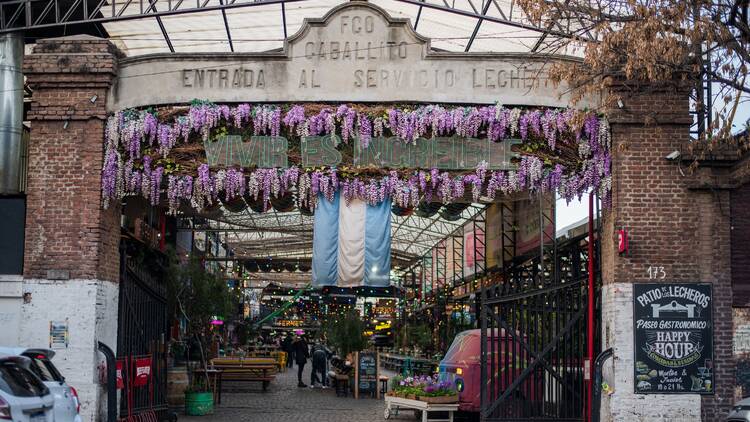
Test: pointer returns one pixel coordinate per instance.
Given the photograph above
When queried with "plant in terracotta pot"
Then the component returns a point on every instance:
(425, 388)
(434, 391)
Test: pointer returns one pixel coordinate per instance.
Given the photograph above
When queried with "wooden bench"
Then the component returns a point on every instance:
(249, 370)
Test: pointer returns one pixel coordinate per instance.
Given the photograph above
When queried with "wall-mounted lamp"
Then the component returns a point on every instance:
(93, 99)
(65, 124)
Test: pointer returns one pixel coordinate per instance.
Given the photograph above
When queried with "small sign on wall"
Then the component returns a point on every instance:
(58, 334)
(673, 338)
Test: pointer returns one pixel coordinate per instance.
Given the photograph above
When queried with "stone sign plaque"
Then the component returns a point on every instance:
(356, 52)
(673, 338)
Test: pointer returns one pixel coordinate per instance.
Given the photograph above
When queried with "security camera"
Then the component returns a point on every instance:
(674, 155)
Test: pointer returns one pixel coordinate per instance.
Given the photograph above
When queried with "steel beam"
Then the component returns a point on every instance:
(226, 26)
(23, 15)
(485, 8)
(152, 6)
(14, 9)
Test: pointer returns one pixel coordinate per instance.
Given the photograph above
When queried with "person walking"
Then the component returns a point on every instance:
(286, 346)
(301, 354)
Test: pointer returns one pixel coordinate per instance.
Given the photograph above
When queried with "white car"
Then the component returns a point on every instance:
(67, 405)
(23, 396)
(740, 411)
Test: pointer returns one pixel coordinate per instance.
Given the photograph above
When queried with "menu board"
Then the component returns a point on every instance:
(367, 372)
(673, 338)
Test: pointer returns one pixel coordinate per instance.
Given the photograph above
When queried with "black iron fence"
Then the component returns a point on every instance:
(142, 333)
(535, 338)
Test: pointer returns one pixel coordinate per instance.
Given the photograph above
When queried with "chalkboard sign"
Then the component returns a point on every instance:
(367, 372)
(673, 338)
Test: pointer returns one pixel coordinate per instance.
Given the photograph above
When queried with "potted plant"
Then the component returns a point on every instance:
(346, 333)
(198, 296)
(199, 399)
(434, 391)
(420, 336)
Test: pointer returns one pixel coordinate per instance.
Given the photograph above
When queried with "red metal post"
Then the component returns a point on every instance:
(591, 302)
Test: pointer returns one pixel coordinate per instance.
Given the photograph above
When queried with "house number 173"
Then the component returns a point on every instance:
(655, 273)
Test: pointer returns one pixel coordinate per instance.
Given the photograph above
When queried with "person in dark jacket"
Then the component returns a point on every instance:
(301, 354)
(286, 346)
(319, 360)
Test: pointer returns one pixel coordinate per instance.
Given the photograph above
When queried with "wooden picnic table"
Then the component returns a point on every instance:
(245, 370)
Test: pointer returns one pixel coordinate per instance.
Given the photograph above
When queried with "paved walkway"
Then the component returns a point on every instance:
(285, 402)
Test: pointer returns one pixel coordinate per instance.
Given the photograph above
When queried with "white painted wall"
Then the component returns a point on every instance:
(624, 405)
(11, 298)
(91, 309)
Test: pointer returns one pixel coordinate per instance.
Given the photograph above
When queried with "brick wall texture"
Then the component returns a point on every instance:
(740, 208)
(671, 224)
(66, 227)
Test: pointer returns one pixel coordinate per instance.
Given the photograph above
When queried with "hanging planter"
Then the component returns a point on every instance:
(452, 212)
(427, 209)
(305, 210)
(401, 211)
(256, 205)
(264, 266)
(283, 203)
(251, 266)
(236, 204)
(213, 207)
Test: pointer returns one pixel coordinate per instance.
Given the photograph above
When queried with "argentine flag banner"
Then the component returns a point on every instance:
(351, 243)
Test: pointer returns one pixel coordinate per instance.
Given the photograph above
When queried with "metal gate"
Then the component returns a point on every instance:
(534, 336)
(142, 328)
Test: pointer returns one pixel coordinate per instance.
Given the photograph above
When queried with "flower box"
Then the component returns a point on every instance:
(440, 399)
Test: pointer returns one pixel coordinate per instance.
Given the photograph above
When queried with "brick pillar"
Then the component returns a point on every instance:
(71, 262)
(671, 225)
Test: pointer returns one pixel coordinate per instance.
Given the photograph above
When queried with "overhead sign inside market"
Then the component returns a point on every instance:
(356, 52)
(444, 152)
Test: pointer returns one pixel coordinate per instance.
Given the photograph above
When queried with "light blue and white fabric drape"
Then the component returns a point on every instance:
(351, 243)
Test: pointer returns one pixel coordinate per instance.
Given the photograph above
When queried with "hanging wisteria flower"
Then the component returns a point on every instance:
(365, 130)
(346, 117)
(294, 117)
(133, 137)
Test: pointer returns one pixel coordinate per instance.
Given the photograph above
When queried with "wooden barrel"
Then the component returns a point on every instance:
(177, 383)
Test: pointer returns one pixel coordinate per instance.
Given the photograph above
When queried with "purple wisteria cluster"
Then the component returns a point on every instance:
(137, 139)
